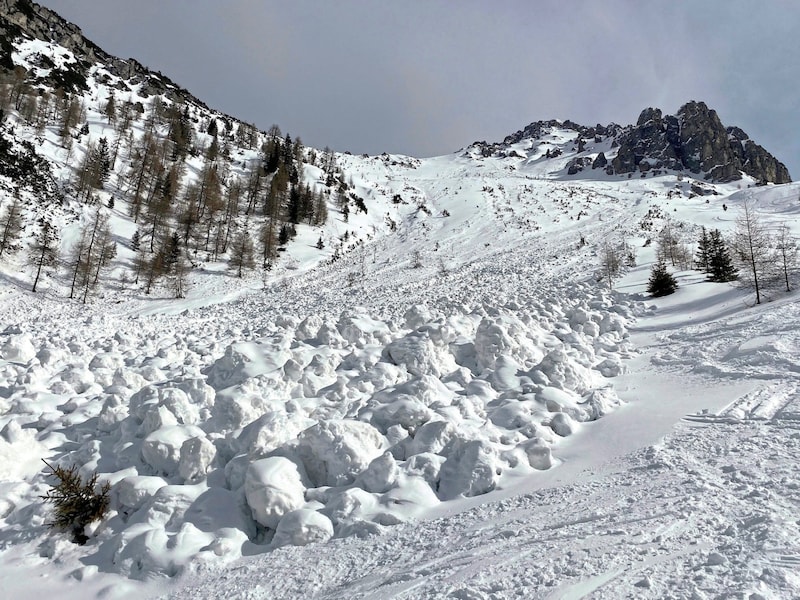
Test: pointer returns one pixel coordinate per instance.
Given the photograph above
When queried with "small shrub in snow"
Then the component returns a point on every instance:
(77, 502)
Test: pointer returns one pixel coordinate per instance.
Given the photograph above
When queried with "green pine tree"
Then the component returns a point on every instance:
(661, 282)
(720, 263)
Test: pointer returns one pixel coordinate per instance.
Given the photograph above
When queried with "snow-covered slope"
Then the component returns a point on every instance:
(443, 398)
(450, 362)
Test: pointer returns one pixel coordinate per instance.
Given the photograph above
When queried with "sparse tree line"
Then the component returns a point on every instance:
(758, 255)
(176, 169)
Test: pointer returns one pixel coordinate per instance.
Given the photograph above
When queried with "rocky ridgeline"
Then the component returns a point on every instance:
(25, 18)
(694, 140)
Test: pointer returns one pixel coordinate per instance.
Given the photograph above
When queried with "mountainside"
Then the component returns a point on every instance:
(104, 142)
(305, 373)
(693, 141)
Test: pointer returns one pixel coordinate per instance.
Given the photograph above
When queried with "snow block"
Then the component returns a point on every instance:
(132, 492)
(196, 456)
(245, 360)
(302, 527)
(419, 355)
(18, 348)
(431, 437)
(380, 475)
(162, 448)
(562, 424)
(273, 487)
(334, 452)
(472, 468)
(539, 454)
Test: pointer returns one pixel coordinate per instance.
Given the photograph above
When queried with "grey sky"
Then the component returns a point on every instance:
(426, 77)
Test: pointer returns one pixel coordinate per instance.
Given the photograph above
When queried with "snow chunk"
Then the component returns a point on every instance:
(380, 475)
(472, 468)
(420, 356)
(539, 454)
(431, 437)
(162, 448)
(562, 424)
(132, 492)
(247, 359)
(273, 487)
(195, 457)
(302, 527)
(18, 348)
(335, 451)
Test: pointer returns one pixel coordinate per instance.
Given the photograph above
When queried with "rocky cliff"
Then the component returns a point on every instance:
(695, 140)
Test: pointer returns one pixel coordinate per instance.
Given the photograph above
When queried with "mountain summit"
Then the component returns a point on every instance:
(694, 141)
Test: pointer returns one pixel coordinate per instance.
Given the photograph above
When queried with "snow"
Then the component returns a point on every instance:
(455, 408)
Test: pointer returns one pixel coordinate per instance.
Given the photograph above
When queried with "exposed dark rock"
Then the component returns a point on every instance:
(599, 161)
(755, 160)
(539, 128)
(694, 140)
(577, 164)
(26, 18)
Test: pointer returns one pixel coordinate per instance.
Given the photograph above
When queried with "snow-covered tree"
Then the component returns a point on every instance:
(786, 254)
(43, 253)
(242, 253)
(10, 226)
(610, 262)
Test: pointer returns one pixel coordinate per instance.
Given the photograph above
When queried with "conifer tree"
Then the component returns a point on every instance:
(267, 238)
(702, 254)
(753, 249)
(786, 254)
(135, 241)
(320, 209)
(110, 110)
(242, 253)
(90, 255)
(661, 282)
(610, 263)
(11, 226)
(720, 263)
(180, 273)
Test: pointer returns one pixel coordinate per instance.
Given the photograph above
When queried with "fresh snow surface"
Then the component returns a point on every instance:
(455, 408)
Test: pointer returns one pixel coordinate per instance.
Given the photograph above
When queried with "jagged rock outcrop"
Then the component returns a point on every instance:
(695, 140)
(755, 160)
(537, 129)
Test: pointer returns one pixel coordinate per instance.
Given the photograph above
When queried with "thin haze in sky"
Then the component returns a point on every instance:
(427, 77)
